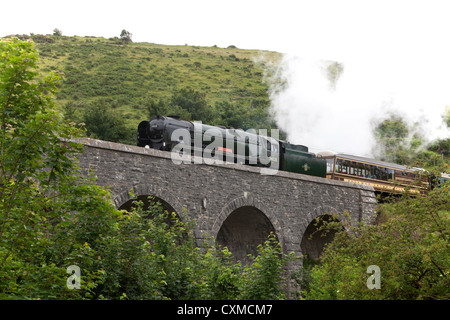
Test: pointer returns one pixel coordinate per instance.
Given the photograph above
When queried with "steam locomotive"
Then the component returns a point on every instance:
(169, 133)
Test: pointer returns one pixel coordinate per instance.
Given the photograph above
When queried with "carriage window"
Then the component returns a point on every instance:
(380, 173)
(330, 163)
(377, 173)
(352, 168)
(384, 174)
(390, 174)
(359, 169)
(369, 172)
(363, 170)
(338, 165)
(344, 166)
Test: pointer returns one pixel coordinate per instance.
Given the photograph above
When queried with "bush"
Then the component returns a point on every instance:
(154, 256)
(410, 247)
(106, 125)
(261, 280)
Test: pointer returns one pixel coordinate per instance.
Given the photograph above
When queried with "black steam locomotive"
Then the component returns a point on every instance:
(227, 144)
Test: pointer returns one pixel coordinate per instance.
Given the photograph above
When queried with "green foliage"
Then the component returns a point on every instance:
(57, 32)
(411, 247)
(394, 141)
(160, 260)
(194, 103)
(51, 217)
(106, 125)
(37, 185)
(262, 278)
(399, 142)
(125, 36)
(130, 80)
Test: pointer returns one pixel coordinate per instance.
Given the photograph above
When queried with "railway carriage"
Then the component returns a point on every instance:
(384, 177)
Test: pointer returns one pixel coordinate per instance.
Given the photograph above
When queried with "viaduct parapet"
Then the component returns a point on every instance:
(235, 204)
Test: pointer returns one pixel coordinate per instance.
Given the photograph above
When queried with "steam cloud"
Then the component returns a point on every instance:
(337, 111)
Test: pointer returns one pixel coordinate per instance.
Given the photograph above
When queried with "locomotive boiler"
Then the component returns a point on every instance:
(169, 133)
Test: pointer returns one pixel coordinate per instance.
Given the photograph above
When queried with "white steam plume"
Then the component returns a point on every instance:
(339, 116)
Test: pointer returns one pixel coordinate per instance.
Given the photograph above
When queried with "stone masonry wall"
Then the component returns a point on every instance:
(210, 193)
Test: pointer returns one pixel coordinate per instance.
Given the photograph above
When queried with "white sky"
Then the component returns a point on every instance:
(331, 28)
(386, 46)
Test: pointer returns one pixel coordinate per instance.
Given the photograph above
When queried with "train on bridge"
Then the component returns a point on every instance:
(169, 133)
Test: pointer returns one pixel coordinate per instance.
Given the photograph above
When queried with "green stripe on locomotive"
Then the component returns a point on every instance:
(296, 158)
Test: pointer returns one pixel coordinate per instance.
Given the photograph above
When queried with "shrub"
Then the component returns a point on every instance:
(410, 247)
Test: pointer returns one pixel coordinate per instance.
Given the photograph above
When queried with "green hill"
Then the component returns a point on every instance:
(110, 85)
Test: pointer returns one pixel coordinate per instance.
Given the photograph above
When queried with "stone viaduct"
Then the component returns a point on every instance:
(234, 204)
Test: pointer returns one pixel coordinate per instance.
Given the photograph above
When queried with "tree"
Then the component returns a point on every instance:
(125, 36)
(396, 141)
(105, 125)
(194, 102)
(442, 146)
(57, 32)
(409, 244)
(229, 115)
(41, 190)
(446, 116)
(162, 261)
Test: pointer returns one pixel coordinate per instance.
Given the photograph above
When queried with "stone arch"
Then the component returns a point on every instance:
(168, 200)
(242, 225)
(148, 201)
(313, 240)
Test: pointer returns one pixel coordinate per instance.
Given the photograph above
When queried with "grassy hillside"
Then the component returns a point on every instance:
(131, 82)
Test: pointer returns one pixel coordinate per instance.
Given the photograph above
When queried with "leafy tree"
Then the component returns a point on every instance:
(39, 188)
(442, 146)
(125, 36)
(396, 141)
(446, 116)
(194, 102)
(399, 142)
(160, 260)
(164, 108)
(57, 32)
(261, 280)
(105, 125)
(410, 245)
(229, 115)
